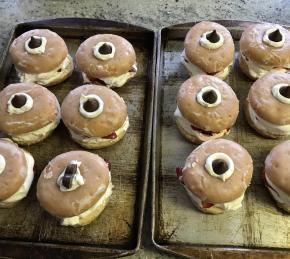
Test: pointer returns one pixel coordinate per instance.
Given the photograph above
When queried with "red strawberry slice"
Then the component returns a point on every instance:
(178, 171)
(97, 81)
(108, 163)
(201, 130)
(111, 136)
(206, 205)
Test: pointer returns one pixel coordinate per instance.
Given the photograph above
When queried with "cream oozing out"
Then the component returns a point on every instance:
(114, 81)
(266, 126)
(279, 195)
(256, 70)
(2, 164)
(64, 69)
(37, 135)
(24, 188)
(231, 205)
(194, 132)
(95, 210)
(195, 70)
(91, 142)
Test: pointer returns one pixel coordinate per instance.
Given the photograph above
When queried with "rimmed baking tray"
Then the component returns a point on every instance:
(259, 229)
(28, 231)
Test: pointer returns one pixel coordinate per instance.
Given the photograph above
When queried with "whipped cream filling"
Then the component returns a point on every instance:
(211, 45)
(256, 70)
(222, 156)
(186, 125)
(92, 141)
(72, 221)
(263, 125)
(38, 50)
(77, 181)
(95, 113)
(101, 56)
(23, 190)
(46, 78)
(232, 205)
(11, 109)
(277, 193)
(195, 70)
(271, 43)
(114, 81)
(37, 134)
(2, 164)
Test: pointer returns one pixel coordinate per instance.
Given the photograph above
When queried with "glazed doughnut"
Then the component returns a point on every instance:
(28, 112)
(268, 105)
(277, 175)
(206, 108)
(41, 56)
(16, 173)
(264, 48)
(107, 59)
(208, 49)
(216, 175)
(75, 187)
(105, 121)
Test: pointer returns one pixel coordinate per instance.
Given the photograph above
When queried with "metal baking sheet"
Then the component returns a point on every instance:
(27, 230)
(259, 228)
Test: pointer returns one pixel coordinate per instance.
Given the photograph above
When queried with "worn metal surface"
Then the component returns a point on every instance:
(27, 230)
(177, 226)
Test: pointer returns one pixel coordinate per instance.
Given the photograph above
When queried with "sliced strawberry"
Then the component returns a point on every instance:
(111, 136)
(178, 171)
(97, 81)
(108, 163)
(201, 130)
(206, 205)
